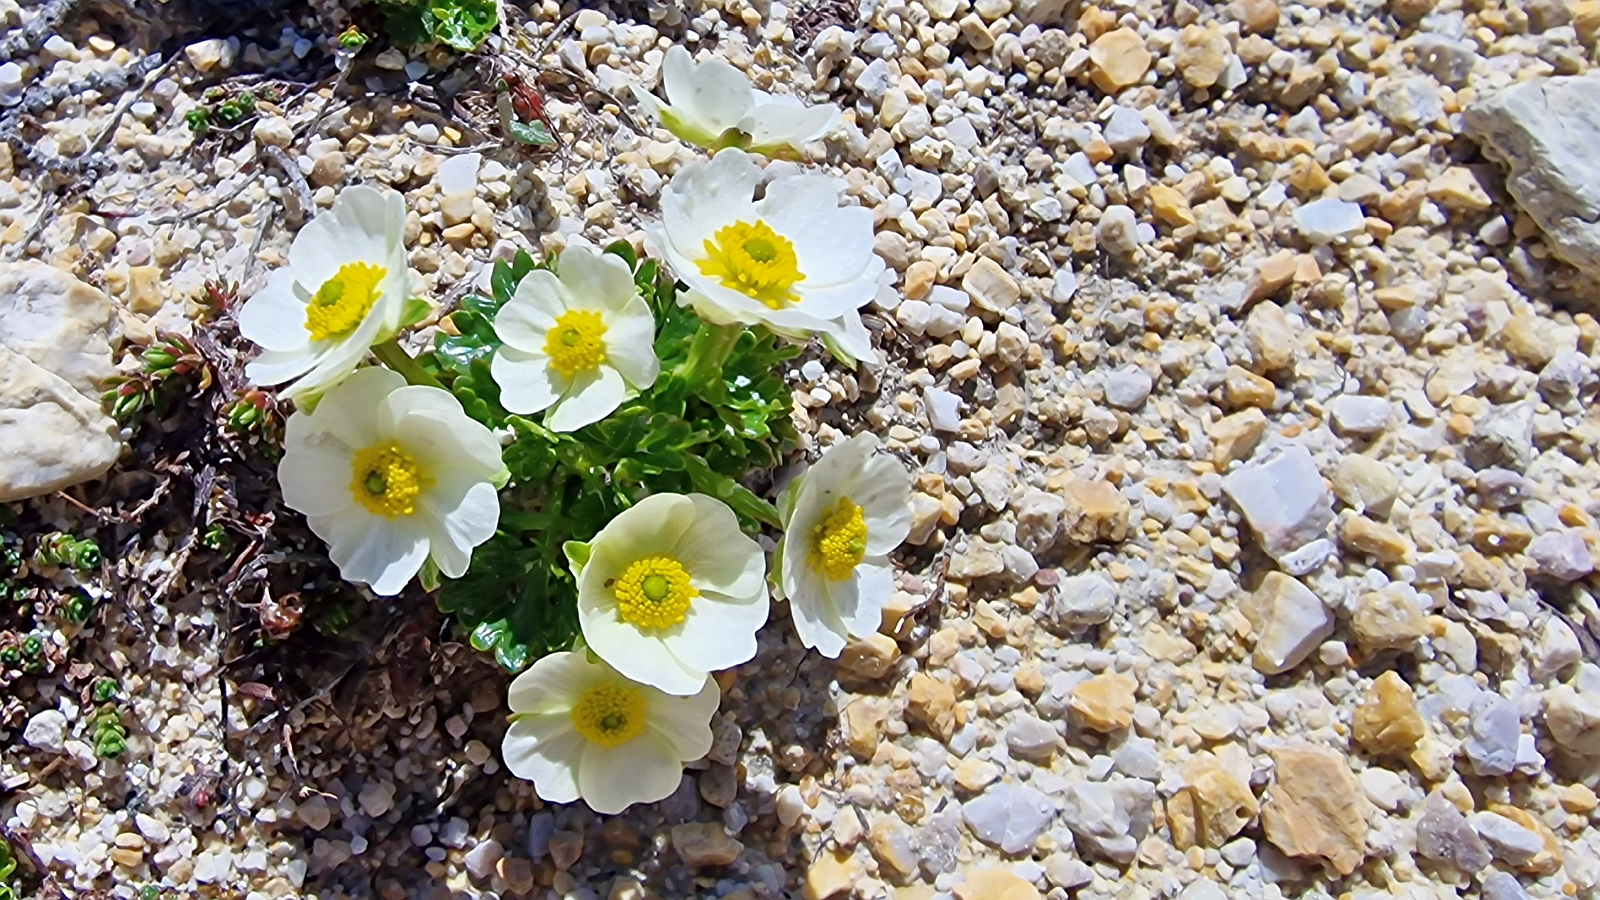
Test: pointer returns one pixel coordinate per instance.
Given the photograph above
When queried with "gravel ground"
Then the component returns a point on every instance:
(1239, 353)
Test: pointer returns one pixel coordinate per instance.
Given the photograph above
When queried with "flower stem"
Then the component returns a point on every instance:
(391, 354)
(707, 352)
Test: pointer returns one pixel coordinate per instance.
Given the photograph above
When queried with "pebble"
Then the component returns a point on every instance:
(1326, 220)
(1104, 703)
(1386, 720)
(1118, 59)
(1284, 500)
(1289, 621)
(1128, 387)
(1313, 808)
(1009, 816)
(46, 731)
(1509, 842)
(702, 844)
(1495, 729)
(1444, 834)
(1360, 415)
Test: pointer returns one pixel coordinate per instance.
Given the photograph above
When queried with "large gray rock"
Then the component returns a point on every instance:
(1547, 132)
(58, 322)
(51, 436)
(54, 354)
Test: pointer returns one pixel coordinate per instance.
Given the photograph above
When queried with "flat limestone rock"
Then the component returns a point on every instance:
(58, 322)
(1314, 808)
(1547, 133)
(51, 436)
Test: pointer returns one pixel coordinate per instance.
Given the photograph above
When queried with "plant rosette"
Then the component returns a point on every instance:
(580, 729)
(795, 261)
(343, 292)
(576, 342)
(842, 519)
(670, 591)
(391, 476)
(711, 104)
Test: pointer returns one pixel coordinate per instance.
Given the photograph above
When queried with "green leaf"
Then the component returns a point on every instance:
(416, 309)
(512, 656)
(624, 250)
(488, 634)
(577, 555)
(534, 134)
(429, 576)
(461, 24)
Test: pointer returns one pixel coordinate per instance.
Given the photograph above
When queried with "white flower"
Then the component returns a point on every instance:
(389, 475)
(576, 341)
(796, 261)
(672, 590)
(580, 729)
(842, 518)
(713, 105)
(343, 291)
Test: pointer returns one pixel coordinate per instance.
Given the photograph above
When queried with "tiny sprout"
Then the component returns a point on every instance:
(231, 111)
(10, 558)
(353, 38)
(33, 646)
(79, 608)
(216, 538)
(199, 121)
(61, 549)
(219, 296)
(104, 690)
(10, 656)
(110, 735)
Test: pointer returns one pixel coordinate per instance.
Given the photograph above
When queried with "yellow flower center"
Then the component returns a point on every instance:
(387, 480)
(609, 714)
(654, 592)
(577, 343)
(841, 541)
(343, 301)
(755, 261)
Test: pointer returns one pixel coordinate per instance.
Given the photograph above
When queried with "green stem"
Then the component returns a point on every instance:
(391, 354)
(707, 352)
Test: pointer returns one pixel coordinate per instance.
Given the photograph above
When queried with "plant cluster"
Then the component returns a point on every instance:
(570, 466)
(63, 550)
(227, 111)
(461, 25)
(168, 369)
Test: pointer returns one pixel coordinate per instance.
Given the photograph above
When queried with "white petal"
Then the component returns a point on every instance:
(381, 553)
(275, 317)
(647, 101)
(712, 95)
(591, 398)
(884, 495)
(844, 598)
(274, 367)
(643, 770)
(596, 280)
(528, 383)
(638, 657)
(359, 228)
(338, 362)
(630, 347)
(431, 425)
(828, 238)
(849, 337)
(704, 196)
(546, 751)
(315, 476)
(354, 412)
(718, 555)
(526, 319)
(837, 300)
(552, 684)
(811, 608)
(716, 634)
(685, 722)
(461, 523)
(649, 528)
(874, 581)
(780, 120)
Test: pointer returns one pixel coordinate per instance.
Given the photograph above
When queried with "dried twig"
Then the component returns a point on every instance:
(128, 99)
(302, 192)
